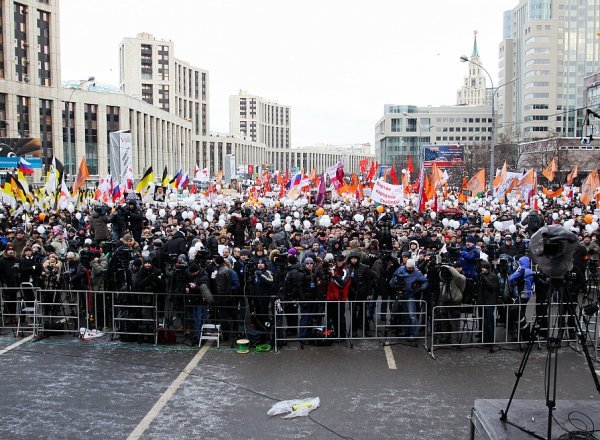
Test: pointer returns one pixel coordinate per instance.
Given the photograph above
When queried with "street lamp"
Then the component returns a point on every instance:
(464, 59)
(68, 118)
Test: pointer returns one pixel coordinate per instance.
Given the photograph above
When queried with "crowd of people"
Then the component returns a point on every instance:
(230, 262)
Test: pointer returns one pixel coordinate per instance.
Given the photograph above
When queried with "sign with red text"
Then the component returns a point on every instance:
(387, 194)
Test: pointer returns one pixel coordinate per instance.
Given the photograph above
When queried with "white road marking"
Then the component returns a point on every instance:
(16, 344)
(390, 357)
(166, 396)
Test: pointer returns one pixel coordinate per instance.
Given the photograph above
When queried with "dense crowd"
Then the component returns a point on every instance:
(230, 262)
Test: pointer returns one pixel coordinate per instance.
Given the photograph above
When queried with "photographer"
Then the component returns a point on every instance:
(468, 257)
(337, 295)
(293, 289)
(147, 280)
(452, 286)
(118, 222)
(361, 289)
(135, 220)
(198, 299)
(521, 284)
(383, 269)
(30, 268)
(309, 310)
(412, 282)
(487, 288)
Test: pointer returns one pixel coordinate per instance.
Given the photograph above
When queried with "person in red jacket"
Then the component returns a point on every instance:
(337, 295)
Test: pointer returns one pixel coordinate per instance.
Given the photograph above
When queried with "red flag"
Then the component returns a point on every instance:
(410, 167)
(363, 165)
(371, 172)
(393, 176)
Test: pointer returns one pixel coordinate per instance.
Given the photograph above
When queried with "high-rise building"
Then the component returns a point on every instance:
(473, 91)
(548, 48)
(150, 71)
(260, 120)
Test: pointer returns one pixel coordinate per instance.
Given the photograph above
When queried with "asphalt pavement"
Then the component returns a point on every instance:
(63, 388)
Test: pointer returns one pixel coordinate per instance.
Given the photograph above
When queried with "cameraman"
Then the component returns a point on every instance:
(135, 220)
(261, 292)
(148, 280)
(487, 288)
(452, 287)
(337, 295)
(413, 283)
(360, 289)
(198, 298)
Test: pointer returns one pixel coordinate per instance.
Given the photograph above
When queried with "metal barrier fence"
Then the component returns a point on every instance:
(504, 324)
(322, 322)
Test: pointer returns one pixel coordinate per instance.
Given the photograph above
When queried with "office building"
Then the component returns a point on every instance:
(548, 48)
(404, 129)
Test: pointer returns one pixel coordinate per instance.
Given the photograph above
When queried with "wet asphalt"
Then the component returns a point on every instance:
(63, 388)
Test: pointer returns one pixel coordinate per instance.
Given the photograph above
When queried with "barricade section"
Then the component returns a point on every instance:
(322, 322)
(19, 309)
(134, 316)
(502, 324)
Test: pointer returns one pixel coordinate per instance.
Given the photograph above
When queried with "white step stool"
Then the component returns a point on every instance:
(210, 332)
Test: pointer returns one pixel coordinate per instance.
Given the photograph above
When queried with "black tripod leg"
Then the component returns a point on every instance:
(519, 373)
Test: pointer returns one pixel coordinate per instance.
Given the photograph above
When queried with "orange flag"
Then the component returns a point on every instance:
(500, 178)
(550, 170)
(527, 179)
(552, 194)
(571, 176)
(588, 187)
(429, 188)
(462, 198)
(477, 183)
(82, 175)
(406, 182)
(437, 176)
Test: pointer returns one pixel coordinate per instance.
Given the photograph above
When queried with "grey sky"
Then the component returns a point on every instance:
(336, 62)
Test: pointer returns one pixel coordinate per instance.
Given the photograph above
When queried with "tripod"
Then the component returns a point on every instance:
(558, 290)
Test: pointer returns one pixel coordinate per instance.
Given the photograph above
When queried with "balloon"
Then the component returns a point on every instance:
(184, 215)
(498, 226)
(221, 223)
(162, 212)
(41, 229)
(259, 227)
(325, 221)
(173, 213)
(512, 229)
(297, 224)
(306, 224)
(359, 218)
(172, 205)
(433, 215)
(42, 216)
(320, 212)
(487, 218)
(287, 227)
(569, 223)
(588, 218)
(380, 209)
(481, 211)
(205, 225)
(277, 216)
(589, 229)
(70, 208)
(555, 216)
(198, 245)
(296, 214)
(288, 219)
(445, 222)
(78, 215)
(197, 221)
(594, 226)
(276, 223)
(493, 217)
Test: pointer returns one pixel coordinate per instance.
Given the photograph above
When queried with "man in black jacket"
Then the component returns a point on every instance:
(177, 245)
(197, 298)
(360, 289)
(293, 290)
(487, 287)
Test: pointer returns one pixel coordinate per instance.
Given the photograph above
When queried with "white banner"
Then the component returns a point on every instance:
(387, 194)
(125, 153)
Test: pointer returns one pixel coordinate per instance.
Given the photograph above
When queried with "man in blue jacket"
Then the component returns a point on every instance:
(467, 258)
(521, 283)
(413, 283)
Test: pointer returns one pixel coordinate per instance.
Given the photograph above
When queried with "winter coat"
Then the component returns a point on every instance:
(467, 261)
(294, 283)
(456, 287)
(9, 275)
(98, 270)
(99, 224)
(195, 294)
(176, 245)
(339, 285)
(522, 279)
(488, 285)
(408, 280)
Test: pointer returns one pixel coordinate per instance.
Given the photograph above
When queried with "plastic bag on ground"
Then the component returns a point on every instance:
(295, 408)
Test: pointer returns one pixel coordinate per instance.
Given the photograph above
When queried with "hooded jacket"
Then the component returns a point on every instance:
(522, 279)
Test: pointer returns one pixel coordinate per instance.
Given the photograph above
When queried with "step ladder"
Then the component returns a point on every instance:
(210, 332)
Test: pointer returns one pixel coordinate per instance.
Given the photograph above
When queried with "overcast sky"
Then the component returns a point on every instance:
(335, 62)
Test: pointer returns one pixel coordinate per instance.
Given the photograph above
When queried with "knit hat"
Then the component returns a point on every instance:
(292, 251)
(410, 263)
(309, 260)
(329, 257)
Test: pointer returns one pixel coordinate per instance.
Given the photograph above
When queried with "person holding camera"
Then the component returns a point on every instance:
(487, 288)
(337, 295)
(468, 257)
(361, 289)
(452, 287)
(198, 298)
(413, 283)
(521, 284)
(262, 290)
